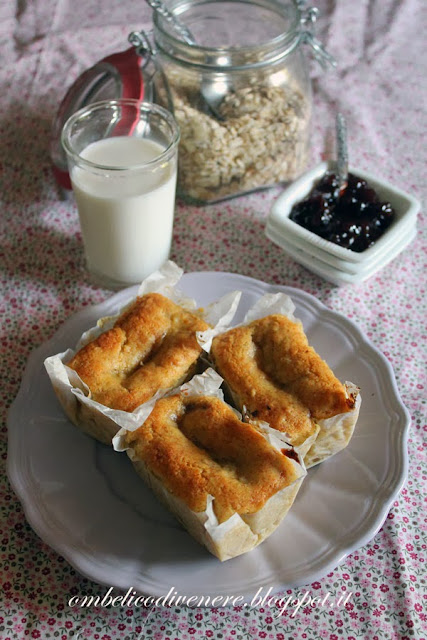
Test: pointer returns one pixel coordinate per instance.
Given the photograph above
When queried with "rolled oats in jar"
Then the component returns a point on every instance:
(240, 91)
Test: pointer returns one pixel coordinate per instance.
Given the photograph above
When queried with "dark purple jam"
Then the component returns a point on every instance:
(353, 219)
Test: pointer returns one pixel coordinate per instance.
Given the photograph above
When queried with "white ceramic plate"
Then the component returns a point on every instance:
(348, 276)
(379, 260)
(85, 500)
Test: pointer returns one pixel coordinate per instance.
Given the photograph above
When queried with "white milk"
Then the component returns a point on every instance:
(126, 220)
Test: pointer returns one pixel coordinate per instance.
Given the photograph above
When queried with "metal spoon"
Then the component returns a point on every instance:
(159, 7)
(342, 152)
(212, 91)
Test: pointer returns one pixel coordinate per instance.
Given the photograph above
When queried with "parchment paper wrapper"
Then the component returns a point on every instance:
(96, 419)
(240, 533)
(336, 432)
(333, 434)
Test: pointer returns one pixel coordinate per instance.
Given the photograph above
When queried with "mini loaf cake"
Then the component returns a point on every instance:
(275, 376)
(222, 478)
(151, 348)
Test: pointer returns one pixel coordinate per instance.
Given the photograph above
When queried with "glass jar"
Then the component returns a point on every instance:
(240, 90)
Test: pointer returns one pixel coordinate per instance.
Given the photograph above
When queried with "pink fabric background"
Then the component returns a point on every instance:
(45, 45)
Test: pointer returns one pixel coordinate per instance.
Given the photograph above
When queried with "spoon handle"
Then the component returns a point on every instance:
(159, 7)
(342, 151)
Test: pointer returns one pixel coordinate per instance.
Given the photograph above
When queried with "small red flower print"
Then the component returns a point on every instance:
(35, 634)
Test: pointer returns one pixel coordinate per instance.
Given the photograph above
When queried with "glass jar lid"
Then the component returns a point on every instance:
(116, 76)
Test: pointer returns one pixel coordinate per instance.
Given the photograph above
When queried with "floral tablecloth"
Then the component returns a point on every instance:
(45, 45)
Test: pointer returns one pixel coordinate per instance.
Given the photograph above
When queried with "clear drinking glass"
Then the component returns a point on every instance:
(122, 159)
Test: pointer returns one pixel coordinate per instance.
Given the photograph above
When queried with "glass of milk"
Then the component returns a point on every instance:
(122, 159)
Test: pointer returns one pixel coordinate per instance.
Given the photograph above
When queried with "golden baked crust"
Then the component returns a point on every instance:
(151, 347)
(197, 446)
(272, 371)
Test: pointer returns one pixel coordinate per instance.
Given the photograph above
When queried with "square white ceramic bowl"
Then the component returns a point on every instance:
(280, 227)
(344, 276)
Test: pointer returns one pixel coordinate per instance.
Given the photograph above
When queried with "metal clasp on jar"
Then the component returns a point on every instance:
(151, 67)
(307, 21)
(141, 42)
